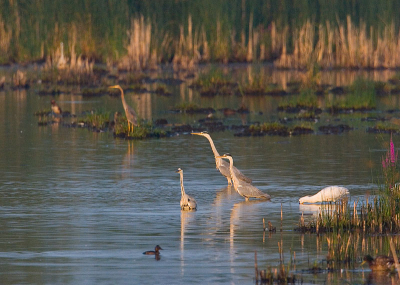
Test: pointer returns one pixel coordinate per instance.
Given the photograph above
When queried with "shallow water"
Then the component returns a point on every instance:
(78, 207)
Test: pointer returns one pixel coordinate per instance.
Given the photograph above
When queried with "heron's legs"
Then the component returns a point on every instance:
(229, 180)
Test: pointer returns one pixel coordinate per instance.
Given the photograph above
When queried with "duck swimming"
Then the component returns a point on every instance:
(156, 251)
(379, 263)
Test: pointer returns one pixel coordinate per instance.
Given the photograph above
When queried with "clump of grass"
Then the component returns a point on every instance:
(384, 127)
(362, 97)
(214, 79)
(142, 131)
(96, 119)
(307, 100)
(273, 127)
(44, 112)
(279, 129)
(381, 215)
(280, 275)
(187, 107)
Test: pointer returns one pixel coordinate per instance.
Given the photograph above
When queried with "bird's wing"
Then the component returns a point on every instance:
(249, 191)
(131, 111)
(241, 176)
(224, 169)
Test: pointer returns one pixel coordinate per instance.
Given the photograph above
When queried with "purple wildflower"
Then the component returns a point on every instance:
(393, 157)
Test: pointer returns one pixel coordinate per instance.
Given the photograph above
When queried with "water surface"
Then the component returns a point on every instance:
(78, 207)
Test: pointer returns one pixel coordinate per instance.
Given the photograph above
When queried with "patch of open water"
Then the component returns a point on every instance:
(78, 207)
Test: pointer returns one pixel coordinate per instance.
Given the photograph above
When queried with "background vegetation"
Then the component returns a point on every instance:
(185, 31)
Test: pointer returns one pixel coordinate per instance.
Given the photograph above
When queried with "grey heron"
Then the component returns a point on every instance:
(129, 111)
(243, 188)
(187, 202)
(221, 164)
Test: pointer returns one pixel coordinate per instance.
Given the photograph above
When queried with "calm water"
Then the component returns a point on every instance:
(78, 207)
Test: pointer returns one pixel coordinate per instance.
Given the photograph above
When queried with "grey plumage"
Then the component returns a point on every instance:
(222, 165)
(243, 188)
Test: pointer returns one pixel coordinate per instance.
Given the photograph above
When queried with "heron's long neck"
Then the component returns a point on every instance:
(182, 189)
(213, 146)
(122, 96)
(233, 176)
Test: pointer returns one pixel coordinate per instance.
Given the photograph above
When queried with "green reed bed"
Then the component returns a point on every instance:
(184, 33)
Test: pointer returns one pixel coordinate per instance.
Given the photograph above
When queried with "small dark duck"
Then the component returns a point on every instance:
(156, 251)
(379, 263)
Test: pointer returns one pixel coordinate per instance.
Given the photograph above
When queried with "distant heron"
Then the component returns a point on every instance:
(243, 188)
(187, 202)
(221, 164)
(129, 111)
(153, 252)
(328, 194)
(55, 108)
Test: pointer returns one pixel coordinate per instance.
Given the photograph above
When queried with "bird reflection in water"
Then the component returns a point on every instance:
(238, 213)
(187, 217)
(310, 211)
(382, 277)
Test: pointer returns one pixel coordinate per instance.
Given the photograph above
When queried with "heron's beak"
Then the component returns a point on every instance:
(199, 134)
(362, 263)
(114, 86)
(221, 156)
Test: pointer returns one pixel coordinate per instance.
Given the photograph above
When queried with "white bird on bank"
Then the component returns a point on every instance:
(328, 194)
(188, 203)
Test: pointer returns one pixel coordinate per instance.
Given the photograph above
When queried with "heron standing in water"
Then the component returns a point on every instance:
(187, 202)
(129, 111)
(243, 188)
(221, 164)
(55, 108)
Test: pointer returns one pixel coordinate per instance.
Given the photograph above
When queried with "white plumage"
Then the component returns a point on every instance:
(328, 194)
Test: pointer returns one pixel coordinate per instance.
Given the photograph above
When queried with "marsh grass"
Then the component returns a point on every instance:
(186, 107)
(214, 79)
(384, 127)
(142, 131)
(361, 97)
(275, 128)
(282, 274)
(307, 100)
(97, 119)
(378, 214)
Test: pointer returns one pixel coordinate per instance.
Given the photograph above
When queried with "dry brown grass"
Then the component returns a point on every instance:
(139, 54)
(344, 46)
